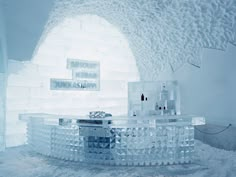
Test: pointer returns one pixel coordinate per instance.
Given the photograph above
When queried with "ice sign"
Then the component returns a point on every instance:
(63, 84)
(82, 64)
(85, 76)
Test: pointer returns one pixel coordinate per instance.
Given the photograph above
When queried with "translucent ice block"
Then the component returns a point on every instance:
(115, 141)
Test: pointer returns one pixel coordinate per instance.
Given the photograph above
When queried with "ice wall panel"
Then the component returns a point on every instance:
(16, 139)
(15, 128)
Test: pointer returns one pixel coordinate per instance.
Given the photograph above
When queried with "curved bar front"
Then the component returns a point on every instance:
(114, 140)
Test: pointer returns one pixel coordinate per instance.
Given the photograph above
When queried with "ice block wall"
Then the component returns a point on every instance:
(85, 37)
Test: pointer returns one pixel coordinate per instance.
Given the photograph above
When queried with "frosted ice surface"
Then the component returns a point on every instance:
(210, 162)
(163, 30)
(143, 142)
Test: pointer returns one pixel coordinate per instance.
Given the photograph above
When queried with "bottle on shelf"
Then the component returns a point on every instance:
(156, 107)
(142, 106)
(164, 95)
(142, 97)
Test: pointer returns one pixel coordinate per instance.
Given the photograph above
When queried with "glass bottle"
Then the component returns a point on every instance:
(164, 95)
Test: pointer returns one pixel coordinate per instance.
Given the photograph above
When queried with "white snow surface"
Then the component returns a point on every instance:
(208, 162)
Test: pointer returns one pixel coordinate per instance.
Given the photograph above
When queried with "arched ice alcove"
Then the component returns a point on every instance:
(86, 37)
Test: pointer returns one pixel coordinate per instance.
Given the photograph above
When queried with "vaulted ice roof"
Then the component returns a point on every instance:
(160, 32)
(163, 32)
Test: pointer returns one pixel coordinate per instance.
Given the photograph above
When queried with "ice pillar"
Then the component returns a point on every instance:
(2, 110)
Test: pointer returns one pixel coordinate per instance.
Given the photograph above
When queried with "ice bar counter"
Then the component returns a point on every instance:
(121, 140)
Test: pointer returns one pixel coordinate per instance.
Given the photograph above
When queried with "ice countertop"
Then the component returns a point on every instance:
(196, 120)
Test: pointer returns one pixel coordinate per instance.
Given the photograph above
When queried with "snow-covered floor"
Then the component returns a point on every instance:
(209, 162)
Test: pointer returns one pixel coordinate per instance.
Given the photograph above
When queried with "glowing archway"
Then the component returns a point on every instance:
(90, 37)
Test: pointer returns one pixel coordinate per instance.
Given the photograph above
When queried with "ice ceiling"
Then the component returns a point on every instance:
(161, 33)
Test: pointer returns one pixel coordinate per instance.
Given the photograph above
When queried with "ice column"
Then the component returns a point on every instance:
(2, 110)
